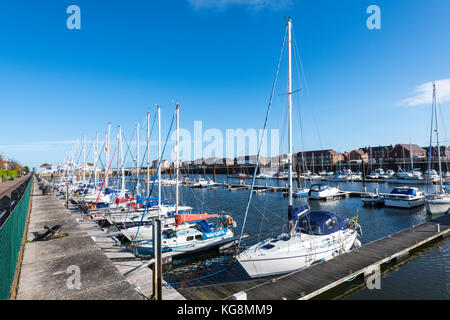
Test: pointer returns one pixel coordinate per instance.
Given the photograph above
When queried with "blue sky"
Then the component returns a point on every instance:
(218, 59)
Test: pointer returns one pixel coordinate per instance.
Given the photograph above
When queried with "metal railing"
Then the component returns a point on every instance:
(13, 215)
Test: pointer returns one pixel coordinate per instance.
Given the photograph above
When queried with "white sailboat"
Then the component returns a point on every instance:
(313, 236)
(190, 232)
(438, 203)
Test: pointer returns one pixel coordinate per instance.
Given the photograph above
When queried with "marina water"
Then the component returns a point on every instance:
(424, 275)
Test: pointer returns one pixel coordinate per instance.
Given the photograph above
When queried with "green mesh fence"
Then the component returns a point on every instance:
(11, 233)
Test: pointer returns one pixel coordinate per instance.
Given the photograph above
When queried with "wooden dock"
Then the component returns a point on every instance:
(284, 190)
(313, 281)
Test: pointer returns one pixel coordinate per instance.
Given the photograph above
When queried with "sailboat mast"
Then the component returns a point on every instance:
(95, 159)
(84, 159)
(107, 155)
(159, 156)
(122, 193)
(148, 154)
(289, 25)
(411, 155)
(437, 135)
(137, 157)
(177, 156)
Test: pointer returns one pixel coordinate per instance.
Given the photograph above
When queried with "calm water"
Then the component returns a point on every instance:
(425, 275)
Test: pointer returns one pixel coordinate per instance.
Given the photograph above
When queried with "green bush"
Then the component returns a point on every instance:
(5, 175)
(12, 173)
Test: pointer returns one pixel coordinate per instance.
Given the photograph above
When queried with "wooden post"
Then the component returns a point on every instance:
(67, 196)
(214, 172)
(157, 272)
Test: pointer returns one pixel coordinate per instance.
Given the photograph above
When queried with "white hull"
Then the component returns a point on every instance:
(407, 181)
(438, 206)
(397, 203)
(295, 258)
(324, 194)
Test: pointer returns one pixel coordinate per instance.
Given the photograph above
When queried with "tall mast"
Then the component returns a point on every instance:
(84, 159)
(411, 155)
(159, 156)
(107, 155)
(437, 136)
(137, 157)
(122, 191)
(95, 158)
(177, 157)
(289, 25)
(148, 154)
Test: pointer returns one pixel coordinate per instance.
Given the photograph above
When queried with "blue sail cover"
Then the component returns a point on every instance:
(109, 191)
(322, 222)
(151, 201)
(203, 226)
(404, 191)
(294, 213)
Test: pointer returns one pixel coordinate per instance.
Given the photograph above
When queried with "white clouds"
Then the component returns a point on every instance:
(254, 4)
(424, 93)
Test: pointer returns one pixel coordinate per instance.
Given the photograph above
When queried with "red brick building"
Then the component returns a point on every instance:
(358, 156)
(401, 151)
(327, 157)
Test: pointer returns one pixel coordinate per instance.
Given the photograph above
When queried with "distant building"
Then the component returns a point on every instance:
(164, 164)
(402, 151)
(346, 156)
(358, 156)
(445, 151)
(47, 168)
(198, 162)
(178, 164)
(319, 157)
(226, 162)
(211, 161)
(245, 160)
(378, 154)
(4, 164)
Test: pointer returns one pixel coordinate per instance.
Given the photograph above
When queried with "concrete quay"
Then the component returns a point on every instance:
(106, 270)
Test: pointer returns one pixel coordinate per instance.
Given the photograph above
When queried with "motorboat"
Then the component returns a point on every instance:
(373, 200)
(203, 183)
(189, 237)
(405, 197)
(322, 191)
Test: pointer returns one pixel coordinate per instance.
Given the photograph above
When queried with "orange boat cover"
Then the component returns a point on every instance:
(180, 218)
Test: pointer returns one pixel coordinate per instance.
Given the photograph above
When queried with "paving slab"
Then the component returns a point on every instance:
(50, 269)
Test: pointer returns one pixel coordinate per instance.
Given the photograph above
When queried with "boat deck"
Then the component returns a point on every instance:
(313, 281)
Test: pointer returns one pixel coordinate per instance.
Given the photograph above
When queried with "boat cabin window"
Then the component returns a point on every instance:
(169, 233)
(198, 237)
(319, 187)
(310, 227)
(190, 238)
(331, 223)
